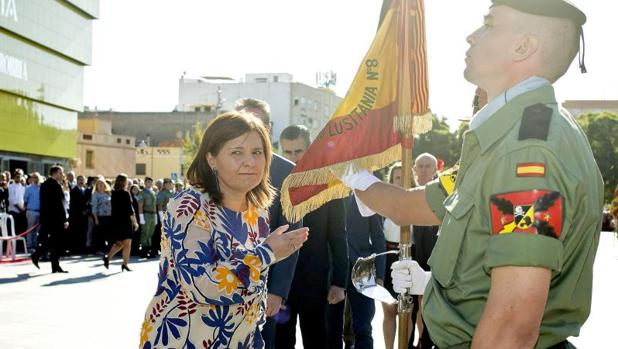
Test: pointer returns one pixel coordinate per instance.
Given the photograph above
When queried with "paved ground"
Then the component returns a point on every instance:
(96, 308)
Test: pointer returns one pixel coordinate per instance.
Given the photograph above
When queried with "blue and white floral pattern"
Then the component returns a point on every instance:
(211, 287)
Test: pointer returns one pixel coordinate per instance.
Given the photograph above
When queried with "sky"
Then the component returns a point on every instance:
(142, 47)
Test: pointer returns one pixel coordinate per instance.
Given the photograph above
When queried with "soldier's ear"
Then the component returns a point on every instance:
(525, 47)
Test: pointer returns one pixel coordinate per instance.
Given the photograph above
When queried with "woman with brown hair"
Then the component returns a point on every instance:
(216, 246)
(123, 223)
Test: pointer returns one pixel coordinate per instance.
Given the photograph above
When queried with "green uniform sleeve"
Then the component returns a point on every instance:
(435, 195)
(528, 206)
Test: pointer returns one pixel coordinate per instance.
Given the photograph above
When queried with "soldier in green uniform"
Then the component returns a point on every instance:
(512, 267)
(164, 196)
(147, 201)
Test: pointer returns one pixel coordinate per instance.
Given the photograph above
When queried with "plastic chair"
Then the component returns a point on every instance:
(11, 247)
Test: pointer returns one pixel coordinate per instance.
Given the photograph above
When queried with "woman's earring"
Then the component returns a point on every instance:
(216, 173)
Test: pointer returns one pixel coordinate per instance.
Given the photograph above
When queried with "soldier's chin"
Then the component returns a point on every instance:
(468, 75)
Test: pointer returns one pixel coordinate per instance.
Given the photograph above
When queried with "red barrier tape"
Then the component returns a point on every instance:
(9, 238)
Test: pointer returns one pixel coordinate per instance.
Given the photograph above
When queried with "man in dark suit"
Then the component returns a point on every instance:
(365, 236)
(78, 215)
(53, 219)
(324, 256)
(280, 275)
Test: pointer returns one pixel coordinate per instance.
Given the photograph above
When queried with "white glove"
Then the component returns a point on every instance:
(409, 277)
(360, 180)
(142, 220)
(160, 216)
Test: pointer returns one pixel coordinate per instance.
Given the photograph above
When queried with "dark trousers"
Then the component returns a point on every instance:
(156, 239)
(363, 309)
(50, 240)
(102, 233)
(312, 316)
(268, 333)
(78, 225)
(21, 222)
(334, 325)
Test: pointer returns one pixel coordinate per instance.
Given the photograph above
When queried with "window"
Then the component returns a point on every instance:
(87, 137)
(128, 141)
(90, 159)
(276, 78)
(140, 169)
(119, 140)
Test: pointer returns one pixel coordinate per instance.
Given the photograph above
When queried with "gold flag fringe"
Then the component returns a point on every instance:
(412, 125)
(330, 175)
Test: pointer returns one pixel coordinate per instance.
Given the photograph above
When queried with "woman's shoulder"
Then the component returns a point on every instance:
(188, 201)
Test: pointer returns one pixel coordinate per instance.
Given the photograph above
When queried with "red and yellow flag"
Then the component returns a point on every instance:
(387, 100)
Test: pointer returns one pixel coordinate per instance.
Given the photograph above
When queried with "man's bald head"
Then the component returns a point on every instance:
(425, 168)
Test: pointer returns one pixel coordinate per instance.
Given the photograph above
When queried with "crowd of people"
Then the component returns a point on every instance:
(70, 214)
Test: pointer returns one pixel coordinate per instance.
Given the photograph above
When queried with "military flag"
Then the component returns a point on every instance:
(386, 104)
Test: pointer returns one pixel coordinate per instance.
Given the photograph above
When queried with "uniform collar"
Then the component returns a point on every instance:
(504, 119)
(529, 84)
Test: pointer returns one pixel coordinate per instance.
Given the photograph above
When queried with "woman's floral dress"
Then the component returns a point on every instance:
(212, 277)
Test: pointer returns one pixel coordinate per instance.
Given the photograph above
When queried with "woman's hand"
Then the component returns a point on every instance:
(283, 245)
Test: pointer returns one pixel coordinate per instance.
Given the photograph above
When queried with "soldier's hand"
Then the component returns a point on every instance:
(283, 245)
(66, 225)
(409, 277)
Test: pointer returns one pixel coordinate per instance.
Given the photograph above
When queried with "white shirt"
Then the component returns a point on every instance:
(392, 232)
(531, 83)
(16, 196)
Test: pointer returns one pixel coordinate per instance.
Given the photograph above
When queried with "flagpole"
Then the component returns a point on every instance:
(405, 247)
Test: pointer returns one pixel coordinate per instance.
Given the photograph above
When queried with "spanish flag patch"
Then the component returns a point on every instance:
(531, 169)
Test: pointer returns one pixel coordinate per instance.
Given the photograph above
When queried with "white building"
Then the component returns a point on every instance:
(290, 102)
(579, 107)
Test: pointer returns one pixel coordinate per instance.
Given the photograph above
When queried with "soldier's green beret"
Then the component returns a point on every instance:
(549, 8)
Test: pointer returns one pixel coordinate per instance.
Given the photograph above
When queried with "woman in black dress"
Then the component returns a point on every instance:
(123, 224)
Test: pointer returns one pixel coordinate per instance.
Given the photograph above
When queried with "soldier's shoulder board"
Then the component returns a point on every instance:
(535, 122)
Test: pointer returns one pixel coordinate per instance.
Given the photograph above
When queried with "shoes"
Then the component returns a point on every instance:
(59, 270)
(106, 262)
(35, 260)
(125, 267)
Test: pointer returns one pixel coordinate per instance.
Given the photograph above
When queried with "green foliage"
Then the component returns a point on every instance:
(191, 143)
(440, 142)
(602, 131)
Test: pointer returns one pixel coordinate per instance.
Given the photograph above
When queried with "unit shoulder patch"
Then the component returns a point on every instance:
(535, 122)
(533, 212)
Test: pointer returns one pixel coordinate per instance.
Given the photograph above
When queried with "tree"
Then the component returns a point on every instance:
(439, 142)
(602, 131)
(191, 143)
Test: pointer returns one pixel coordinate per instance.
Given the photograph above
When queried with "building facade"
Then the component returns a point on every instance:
(154, 128)
(44, 46)
(579, 107)
(290, 102)
(100, 152)
(159, 162)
